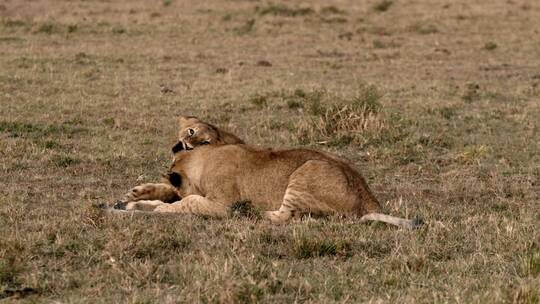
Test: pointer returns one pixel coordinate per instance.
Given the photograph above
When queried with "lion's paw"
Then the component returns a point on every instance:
(120, 205)
(142, 192)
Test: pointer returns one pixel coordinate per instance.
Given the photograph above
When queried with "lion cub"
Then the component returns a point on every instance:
(192, 132)
(284, 183)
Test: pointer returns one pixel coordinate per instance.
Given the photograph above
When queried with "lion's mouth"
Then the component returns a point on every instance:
(178, 147)
(181, 146)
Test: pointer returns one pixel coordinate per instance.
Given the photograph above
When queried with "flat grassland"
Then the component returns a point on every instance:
(437, 103)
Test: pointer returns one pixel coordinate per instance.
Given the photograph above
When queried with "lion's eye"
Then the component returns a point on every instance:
(206, 142)
(190, 132)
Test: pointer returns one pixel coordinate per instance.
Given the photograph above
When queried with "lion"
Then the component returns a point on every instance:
(192, 132)
(286, 184)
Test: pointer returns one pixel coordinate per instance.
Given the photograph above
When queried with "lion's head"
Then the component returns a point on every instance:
(194, 132)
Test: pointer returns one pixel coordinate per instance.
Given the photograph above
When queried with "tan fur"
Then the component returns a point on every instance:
(204, 133)
(163, 192)
(286, 183)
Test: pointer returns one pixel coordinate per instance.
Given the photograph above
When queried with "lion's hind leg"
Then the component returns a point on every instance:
(307, 193)
(281, 216)
(295, 203)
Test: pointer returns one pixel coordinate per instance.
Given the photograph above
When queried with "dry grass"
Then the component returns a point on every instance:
(435, 101)
(338, 122)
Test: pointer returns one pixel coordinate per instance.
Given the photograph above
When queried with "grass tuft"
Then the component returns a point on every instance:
(9, 270)
(473, 154)
(51, 144)
(37, 131)
(259, 100)
(472, 92)
(246, 28)
(14, 22)
(162, 244)
(424, 28)
(490, 46)
(118, 30)
(383, 5)
(18, 129)
(10, 263)
(448, 112)
(342, 121)
(332, 10)
(530, 265)
(247, 293)
(305, 247)
(244, 209)
(64, 161)
(285, 11)
(47, 28)
(294, 104)
(72, 28)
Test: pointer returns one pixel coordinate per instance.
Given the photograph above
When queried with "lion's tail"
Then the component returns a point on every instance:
(393, 220)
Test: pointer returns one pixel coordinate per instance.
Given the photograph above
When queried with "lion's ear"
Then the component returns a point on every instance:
(184, 119)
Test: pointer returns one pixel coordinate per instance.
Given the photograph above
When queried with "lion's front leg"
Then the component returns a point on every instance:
(161, 192)
(145, 205)
(195, 204)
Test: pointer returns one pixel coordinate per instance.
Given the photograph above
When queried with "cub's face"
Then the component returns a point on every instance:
(193, 133)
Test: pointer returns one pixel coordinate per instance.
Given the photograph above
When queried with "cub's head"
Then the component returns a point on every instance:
(194, 132)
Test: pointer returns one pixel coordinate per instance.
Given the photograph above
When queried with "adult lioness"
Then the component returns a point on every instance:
(285, 183)
(192, 132)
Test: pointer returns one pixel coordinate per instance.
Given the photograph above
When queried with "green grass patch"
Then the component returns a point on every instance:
(490, 46)
(332, 10)
(11, 39)
(7, 22)
(424, 28)
(305, 247)
(258, 100)
(246, 28)
(383, 5)
(248, 293)
(285, 11)
(64, 161)
(47, 28)
(8, 270)
(339, 121)
(31, 130)
(163, 244)
(244, 209)
(51, 144)
(530, 265)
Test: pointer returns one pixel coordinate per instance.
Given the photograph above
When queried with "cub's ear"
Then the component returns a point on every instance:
(184, 119)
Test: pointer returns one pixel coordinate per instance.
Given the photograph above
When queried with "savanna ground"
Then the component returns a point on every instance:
(436, 103)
